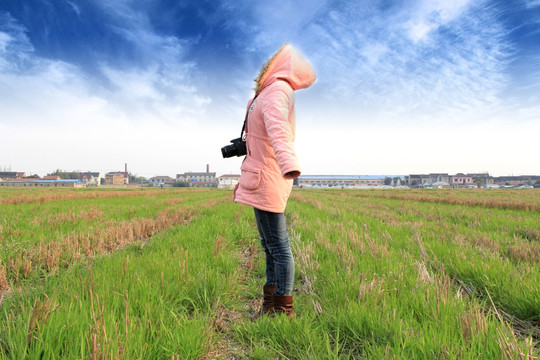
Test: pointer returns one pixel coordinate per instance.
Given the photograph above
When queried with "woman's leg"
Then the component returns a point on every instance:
(275, 242)
(270, 271)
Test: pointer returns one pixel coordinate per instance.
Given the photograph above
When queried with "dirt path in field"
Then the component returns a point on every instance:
(228, 347)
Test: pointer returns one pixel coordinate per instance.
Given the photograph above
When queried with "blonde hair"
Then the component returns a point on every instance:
(264, 70)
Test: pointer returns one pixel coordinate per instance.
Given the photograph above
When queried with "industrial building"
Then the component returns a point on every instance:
(42, 183)
(344, 181)
(117, 178)
(199, 179)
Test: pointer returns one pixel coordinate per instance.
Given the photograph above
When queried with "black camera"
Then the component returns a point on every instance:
(238, 148)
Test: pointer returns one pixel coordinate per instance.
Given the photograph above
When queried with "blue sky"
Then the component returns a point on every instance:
(403, 87)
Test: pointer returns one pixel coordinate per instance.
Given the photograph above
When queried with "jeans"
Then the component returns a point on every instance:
(275, 242)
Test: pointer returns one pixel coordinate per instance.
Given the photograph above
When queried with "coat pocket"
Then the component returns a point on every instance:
(251, 176)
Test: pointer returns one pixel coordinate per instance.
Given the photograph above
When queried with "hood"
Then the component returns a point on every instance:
(287, 65)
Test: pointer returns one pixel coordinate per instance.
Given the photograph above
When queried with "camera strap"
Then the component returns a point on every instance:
(244, 127)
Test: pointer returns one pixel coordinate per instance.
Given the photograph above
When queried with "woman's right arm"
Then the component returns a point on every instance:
(277, 105)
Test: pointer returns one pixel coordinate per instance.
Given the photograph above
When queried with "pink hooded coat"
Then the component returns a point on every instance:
(266, 179)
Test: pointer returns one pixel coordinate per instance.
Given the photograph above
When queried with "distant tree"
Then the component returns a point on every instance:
(387, 180)
(479, 182)
(414, 182)
(66, 174)
(397, 180)
(181, 184)
(135, 179)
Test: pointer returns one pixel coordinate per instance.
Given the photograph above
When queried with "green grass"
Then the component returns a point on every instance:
(377, 276)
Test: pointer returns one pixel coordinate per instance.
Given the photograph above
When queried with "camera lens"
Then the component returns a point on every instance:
(228, 151)
(224, 151)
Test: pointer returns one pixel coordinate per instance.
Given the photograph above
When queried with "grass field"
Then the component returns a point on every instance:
(175, 274)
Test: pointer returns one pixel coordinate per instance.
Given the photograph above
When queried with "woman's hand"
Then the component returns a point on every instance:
(292, 175)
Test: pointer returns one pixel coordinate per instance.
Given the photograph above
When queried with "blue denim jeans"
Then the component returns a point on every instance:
(275, 242)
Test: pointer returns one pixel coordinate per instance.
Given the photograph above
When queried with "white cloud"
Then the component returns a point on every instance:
(453, 66)
(429, 15)
(4, 41)
(75, 8)
(263, 27)
(374, 52)
(419, 30)
(156, 92)
(532, 3)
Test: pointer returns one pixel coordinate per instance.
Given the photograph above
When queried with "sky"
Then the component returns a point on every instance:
(403, 87)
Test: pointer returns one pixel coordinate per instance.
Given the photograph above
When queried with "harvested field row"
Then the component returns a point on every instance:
(45, 257)
(41, 196)
(526, 199)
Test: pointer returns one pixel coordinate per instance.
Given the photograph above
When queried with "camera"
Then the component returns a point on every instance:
(238, 148)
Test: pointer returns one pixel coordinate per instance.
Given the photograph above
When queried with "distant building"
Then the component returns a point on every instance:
(12, 174)
(90, 178)
(516, 180)
(439, 177)
(418, 180)
(42, 183)
(482, 179)
(484, 176)
(51, 177)
(116, 178)
(345, 181)
(228, 181)
(441, 185)
(161, 181)
(32, 177)
(461, 180)
(199, 179)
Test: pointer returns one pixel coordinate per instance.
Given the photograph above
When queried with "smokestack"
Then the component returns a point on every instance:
(125, 166)
(207, 168)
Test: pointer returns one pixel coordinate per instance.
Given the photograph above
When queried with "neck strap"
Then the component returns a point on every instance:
(244, 127)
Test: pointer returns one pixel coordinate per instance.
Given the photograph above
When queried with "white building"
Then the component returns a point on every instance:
(90, 178)
(161, 181)
(199, 179)
(228, 181)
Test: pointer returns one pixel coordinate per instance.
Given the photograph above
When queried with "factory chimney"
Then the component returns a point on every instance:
(207, 168)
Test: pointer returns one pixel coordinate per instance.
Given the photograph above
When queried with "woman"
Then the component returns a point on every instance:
(271, 165)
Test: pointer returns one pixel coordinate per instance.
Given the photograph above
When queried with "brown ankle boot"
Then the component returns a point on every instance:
(283, 304)
(267, 304)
